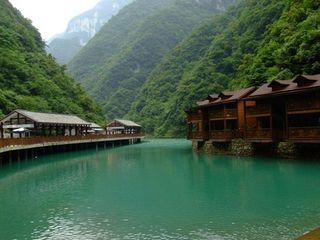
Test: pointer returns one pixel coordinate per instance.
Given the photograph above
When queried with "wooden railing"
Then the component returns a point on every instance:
(259, 134)
(230, 113)
(7, 142)
(303, 105)
(305, 133)
(216, 113)
(196, 135)
(194, 118)
(221, 114)
(259, 109)
(224, 134)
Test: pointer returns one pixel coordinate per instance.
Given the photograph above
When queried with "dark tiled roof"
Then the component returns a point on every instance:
(126, 123)
(226, 96)
(50, 118)
(299, 83)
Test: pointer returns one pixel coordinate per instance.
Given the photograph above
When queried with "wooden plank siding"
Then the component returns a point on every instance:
(241, 116)
(197, 124)
(283, 110)
(303, 118)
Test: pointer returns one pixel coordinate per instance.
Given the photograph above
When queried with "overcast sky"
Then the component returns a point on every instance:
(52, 16)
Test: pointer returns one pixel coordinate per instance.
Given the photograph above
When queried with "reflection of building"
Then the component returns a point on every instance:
(120, 126)
(278, 111)
(21, 123)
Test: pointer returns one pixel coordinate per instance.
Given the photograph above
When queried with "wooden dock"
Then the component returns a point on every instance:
(16, 149)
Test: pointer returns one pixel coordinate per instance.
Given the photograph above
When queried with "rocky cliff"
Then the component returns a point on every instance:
(82, 28)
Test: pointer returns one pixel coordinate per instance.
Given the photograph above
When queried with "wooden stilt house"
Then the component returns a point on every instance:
(219, 118)
(283, 110)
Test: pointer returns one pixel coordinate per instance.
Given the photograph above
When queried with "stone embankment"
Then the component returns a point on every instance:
(240, 147)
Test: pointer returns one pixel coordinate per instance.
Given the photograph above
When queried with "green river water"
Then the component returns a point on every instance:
(159, 189)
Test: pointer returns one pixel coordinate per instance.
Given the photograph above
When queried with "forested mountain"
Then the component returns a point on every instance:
(255, 42)
(32, 80)
(82, 28)
(117, 61)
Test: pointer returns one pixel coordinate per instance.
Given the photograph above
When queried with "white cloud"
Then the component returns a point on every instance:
(52, 16)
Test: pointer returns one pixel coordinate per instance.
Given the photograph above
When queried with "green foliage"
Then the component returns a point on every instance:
(117, 61)
(255, 42)
(64, 50)
(289, 48)
(32, 80)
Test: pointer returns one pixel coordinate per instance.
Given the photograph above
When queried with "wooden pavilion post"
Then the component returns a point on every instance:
(35, 128)
(18, 121)
(43, 130)
(224, 118)
(1, 131)
(11, 133)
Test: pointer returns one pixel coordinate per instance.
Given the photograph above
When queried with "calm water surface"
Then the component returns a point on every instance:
(158, 190)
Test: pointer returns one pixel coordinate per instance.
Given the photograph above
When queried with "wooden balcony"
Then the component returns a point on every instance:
(197, 136)
(192, 118)
(230, 113)
(224, 135)
(223, 114)
(262, 109)
(306, 134)
(308, 104)
(13, 142)
(216, 114)
(260, 135)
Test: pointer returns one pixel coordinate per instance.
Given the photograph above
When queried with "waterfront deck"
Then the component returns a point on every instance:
(15, 144)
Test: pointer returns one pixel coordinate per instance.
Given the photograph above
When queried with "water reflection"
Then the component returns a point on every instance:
(157, 190)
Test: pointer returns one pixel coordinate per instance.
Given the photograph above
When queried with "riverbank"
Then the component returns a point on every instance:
(240, 147)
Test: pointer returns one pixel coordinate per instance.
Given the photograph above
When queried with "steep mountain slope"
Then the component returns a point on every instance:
(258, 41)
(116, 63)
(82, 28)
(30, 79)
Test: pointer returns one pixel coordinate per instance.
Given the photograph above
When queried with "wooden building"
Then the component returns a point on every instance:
(219, 118)
(22, 123)
(283, 110)
(121, 126)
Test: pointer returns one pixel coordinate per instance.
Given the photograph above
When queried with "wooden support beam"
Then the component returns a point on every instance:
(1, 131)
(11, 133)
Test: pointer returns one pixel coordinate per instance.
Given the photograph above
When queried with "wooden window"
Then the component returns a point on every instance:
(304, 120)
(263, 122)
(232, 124)
(217, 125)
